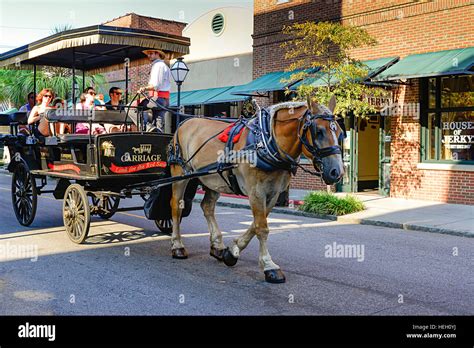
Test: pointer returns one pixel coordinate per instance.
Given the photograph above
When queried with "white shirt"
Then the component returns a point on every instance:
(160, 76)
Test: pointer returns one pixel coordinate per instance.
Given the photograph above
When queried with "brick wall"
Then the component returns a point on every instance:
(400, 28)
(139, 75)
(132, 20)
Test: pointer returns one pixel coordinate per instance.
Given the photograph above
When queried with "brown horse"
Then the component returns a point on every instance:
(296, 129)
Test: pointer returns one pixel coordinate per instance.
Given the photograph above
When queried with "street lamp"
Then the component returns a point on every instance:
(179, 71)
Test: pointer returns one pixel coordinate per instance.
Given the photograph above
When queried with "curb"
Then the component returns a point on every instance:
(346, 219)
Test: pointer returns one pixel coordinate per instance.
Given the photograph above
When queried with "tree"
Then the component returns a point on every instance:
(321, 54)
(16, 84)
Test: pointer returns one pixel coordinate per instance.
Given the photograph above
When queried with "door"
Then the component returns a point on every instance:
(384, 152)
(349, 157)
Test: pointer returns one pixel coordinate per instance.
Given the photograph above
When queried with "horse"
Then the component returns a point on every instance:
(295, 128)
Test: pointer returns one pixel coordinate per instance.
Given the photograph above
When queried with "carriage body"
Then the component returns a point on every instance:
(101, 169)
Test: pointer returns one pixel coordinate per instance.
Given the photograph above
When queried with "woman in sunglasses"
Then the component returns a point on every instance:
(44, 101)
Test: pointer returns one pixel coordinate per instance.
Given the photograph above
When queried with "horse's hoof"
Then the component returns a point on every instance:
(217, 253)
(274, 276)
(228, 258)
(180, 253)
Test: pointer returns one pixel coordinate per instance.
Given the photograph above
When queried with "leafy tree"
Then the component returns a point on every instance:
(321, 53)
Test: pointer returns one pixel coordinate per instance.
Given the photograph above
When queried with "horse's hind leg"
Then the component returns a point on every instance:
(177, 205)
(208, 206)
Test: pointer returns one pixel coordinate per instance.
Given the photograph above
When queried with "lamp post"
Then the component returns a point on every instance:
(179, 71)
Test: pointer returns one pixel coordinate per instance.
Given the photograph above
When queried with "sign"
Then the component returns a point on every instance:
(458, 140)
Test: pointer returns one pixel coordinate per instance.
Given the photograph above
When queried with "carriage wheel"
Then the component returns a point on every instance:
(111, 204)
(165, 226)
(24, 195)
(76, 213)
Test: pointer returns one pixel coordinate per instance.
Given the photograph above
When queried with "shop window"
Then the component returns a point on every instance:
(448, 119)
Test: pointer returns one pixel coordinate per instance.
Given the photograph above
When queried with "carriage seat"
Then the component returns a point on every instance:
(74, 138)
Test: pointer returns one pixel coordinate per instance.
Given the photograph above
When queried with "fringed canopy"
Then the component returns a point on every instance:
(94, 49)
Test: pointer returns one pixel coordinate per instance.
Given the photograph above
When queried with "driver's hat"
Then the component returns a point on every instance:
(160, 52)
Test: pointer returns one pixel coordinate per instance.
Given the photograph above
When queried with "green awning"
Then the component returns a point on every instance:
(450, 62)
(207, 96)
(184, 96)
(375, 66)
(275, 81)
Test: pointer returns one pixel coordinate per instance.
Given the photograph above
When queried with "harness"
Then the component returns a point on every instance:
(269, 156)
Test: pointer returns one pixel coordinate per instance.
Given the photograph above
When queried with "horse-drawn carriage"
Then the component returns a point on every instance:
(94, 172)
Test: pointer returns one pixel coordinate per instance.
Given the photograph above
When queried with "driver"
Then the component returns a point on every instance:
(158, 87)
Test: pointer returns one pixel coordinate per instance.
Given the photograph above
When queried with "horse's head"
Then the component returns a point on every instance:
(320, 134)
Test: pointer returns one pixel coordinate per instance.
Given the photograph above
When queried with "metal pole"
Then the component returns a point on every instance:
(179, 105)
(83, 80)
(34, 80)
(126, 83)
(74, 78)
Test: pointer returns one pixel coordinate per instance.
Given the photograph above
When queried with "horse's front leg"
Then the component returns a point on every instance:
(177, 204)
(259, 227)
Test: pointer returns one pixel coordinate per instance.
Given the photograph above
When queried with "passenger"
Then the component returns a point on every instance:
(61, 127)
(36, 116)
(30, 103)
(115, 95)
(87, 103)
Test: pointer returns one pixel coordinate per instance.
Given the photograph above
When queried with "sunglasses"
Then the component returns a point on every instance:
(119, 93)
(47, 96)
(92, 93)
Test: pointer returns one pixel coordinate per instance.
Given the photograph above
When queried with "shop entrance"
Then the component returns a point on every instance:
(366, 155)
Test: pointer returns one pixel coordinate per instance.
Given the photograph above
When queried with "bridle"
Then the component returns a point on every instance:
(306, 124)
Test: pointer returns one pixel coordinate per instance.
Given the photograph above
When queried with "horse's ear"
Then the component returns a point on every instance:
(332, 104)
(312, 105)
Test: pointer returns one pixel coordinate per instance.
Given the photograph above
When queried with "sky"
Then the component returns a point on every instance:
(25, 21)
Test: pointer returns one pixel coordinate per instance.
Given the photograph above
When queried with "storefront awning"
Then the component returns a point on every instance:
(451, 62)
(375, 66)
(275, 81)
(207, 96)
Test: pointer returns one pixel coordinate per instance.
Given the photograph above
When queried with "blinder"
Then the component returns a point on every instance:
(317, 152)
(342, 124)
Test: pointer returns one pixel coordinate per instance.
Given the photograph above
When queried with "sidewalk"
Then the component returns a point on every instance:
(454, 219)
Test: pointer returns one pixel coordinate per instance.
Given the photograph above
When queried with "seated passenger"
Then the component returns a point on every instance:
(115, 95)
(87, 103)
(36, 116)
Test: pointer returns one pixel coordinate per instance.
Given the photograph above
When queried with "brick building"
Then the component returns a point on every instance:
(139, 73)
(430, 156)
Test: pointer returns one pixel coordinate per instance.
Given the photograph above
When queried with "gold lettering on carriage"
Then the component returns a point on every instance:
(140, 158)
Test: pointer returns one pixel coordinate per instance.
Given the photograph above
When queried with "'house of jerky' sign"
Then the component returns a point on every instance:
(459, 139)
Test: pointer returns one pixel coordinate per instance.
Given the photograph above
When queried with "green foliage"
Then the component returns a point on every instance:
(327, 46)
(16, 84)
(327, 203)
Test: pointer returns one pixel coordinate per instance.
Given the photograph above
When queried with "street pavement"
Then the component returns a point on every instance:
(125, 268)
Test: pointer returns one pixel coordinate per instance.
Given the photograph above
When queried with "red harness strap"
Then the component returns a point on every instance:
(224, 136)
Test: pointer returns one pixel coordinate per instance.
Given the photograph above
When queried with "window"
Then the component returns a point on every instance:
(448, 119)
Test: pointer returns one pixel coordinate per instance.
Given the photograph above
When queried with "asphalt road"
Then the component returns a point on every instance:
(126, 268)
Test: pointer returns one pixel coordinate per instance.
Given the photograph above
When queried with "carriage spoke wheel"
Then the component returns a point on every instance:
(109, 207)
(24, 195)
(165, 226)
(76, 213)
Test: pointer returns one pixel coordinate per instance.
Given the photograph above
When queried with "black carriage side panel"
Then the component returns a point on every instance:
(132, 155)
